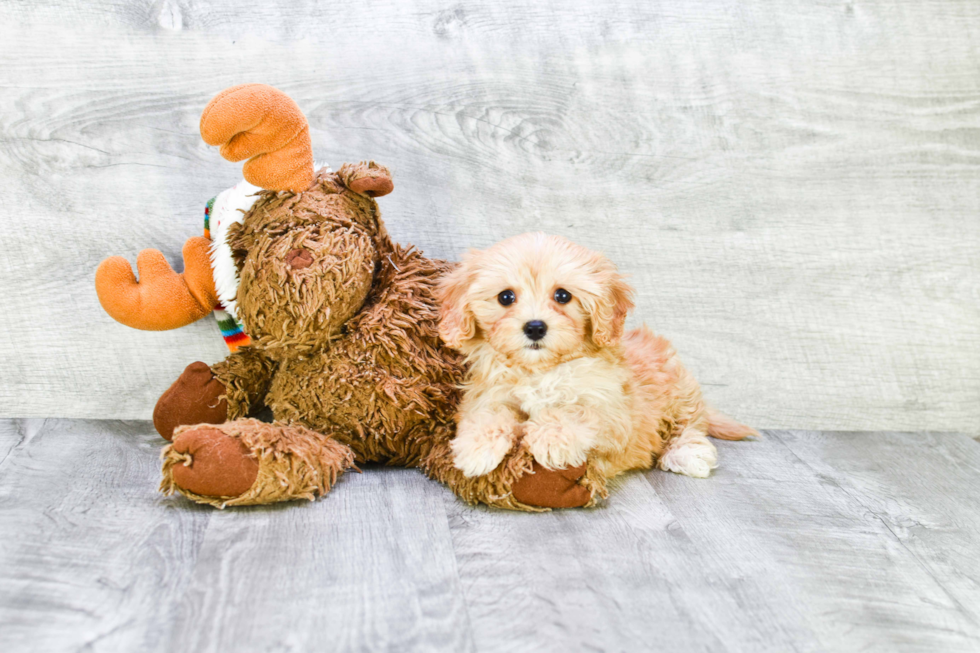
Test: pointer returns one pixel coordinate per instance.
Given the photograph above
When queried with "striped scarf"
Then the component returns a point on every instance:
(231, 329)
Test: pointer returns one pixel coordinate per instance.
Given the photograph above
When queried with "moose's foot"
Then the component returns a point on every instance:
(248, 462)
(196, 397)
(519, 482)
(213, 463)
(553, 488)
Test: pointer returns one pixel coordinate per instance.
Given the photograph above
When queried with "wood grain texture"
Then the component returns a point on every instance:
(803, 541)
(368, 569)
(786, 518)
(916, 485)
(623, 577)
(11, 435)
(92, 557)
(793, 186)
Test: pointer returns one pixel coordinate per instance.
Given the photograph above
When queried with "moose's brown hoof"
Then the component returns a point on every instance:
(552, 488)
(194, 398)
(219, 465)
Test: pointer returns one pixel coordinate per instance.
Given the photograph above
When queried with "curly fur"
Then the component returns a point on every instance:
(583, 391)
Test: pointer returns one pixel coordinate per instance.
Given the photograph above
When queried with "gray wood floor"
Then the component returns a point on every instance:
(804, 541)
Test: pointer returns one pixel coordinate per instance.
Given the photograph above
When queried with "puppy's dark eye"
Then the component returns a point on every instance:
(562, 296)
(506, 298)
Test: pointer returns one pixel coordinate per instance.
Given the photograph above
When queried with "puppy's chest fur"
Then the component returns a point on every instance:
(588, 381)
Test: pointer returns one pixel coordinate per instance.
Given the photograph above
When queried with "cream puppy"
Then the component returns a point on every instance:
(540, 321)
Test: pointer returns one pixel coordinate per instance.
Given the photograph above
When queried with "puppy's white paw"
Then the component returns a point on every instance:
(556, 445)
(480, 446)
(692, 457)
(474, 461)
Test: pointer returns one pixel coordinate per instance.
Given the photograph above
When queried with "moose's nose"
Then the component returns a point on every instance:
(535, 329)
(298, 259)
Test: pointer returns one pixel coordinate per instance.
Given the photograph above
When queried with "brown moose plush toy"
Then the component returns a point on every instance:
(331, 325)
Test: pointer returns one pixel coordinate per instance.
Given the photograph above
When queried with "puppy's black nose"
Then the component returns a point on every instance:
(535, 329)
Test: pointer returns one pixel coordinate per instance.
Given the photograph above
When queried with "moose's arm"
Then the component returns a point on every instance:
(235, 387)
(246, 375)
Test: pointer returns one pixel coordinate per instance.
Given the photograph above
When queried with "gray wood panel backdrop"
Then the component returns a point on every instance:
(792, 185)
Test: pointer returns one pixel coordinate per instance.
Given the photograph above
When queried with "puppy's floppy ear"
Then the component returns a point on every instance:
(456, 322)
(608, 312)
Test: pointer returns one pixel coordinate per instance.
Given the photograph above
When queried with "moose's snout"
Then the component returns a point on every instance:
(535, 329)
(299, 259)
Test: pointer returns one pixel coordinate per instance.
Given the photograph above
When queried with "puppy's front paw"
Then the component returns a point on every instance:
(480, 445)
(557, 445)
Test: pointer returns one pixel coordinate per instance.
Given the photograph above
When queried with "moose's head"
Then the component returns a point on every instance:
(293, 252)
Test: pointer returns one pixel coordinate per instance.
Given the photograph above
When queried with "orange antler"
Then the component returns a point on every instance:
(161, 299)
(261, 124)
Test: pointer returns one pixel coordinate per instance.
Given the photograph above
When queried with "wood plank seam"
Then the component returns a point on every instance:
(774, 434)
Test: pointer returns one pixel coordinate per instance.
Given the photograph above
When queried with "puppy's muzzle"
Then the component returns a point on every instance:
(535, 330)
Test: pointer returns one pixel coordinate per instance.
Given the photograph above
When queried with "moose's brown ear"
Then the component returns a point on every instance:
(368, 179)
